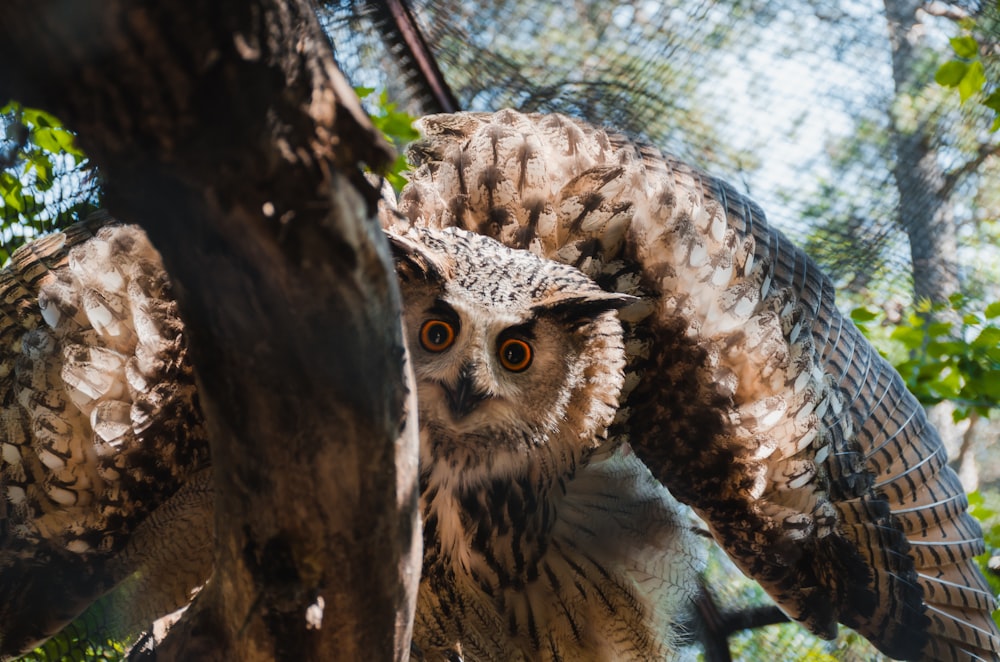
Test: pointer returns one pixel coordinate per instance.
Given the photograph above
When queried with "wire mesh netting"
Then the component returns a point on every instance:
(809, 107)
(845, 141)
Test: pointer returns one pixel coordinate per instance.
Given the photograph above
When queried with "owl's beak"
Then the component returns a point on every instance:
(463, 397)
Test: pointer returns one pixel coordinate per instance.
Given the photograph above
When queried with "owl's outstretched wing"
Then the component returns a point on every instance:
(100, 428)
(748, 394)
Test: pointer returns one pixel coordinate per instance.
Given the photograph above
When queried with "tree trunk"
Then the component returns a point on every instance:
(924, 209)
(224, 129)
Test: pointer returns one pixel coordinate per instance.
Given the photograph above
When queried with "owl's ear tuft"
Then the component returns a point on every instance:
(582, 306)
(413, 261)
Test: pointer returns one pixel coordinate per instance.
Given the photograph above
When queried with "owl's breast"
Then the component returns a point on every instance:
(594, 566)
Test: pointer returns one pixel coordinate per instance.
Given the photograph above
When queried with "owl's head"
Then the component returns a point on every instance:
(518, 360)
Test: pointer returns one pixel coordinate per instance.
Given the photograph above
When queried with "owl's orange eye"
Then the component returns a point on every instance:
(437, 335)
(515, 355)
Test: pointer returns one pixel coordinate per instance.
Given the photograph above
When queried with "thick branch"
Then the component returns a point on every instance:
(715, 626)
(223, 127)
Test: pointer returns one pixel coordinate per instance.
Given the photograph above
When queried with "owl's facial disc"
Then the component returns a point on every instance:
(483, 373)
(476, 365)
(505, 349)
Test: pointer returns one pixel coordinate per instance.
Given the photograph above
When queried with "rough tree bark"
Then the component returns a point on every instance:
(223, 127)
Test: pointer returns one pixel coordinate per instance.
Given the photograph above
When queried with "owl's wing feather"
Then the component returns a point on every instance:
(747, 393)
(100, 425)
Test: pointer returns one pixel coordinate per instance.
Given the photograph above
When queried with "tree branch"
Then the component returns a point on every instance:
(945, 10)
(951, 180)
(224, 128)
(715, 625)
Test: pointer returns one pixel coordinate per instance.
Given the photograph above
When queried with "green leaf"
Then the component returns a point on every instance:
(966, 46)
(362, 92)
(14, 200)
(399, 124)
(993, 101)
(973, 81)
(48, 133)
(862, 314)
(946, 348)
(910, 337)
(992, 311)
(930, 371)
(951, 73)
(8, 182)
(40, 118)
(47, 139)
(986, 387)
(988, 338)
(949, 384)
(936, 329)
(395, 176)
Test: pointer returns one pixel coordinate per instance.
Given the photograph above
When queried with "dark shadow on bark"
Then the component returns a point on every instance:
(225, 130)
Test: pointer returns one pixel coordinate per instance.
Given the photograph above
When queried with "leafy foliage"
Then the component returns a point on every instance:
(966, 73)
(45, 179)
(395, 125)
(943, 352)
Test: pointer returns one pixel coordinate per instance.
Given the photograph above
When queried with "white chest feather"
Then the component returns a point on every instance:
(598, 566)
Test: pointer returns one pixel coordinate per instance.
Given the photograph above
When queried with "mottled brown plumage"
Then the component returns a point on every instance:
(746, 392)
(100, 429)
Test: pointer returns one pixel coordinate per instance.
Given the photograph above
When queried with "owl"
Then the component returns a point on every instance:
(641, 335)
(745, 391)
(543, 540)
